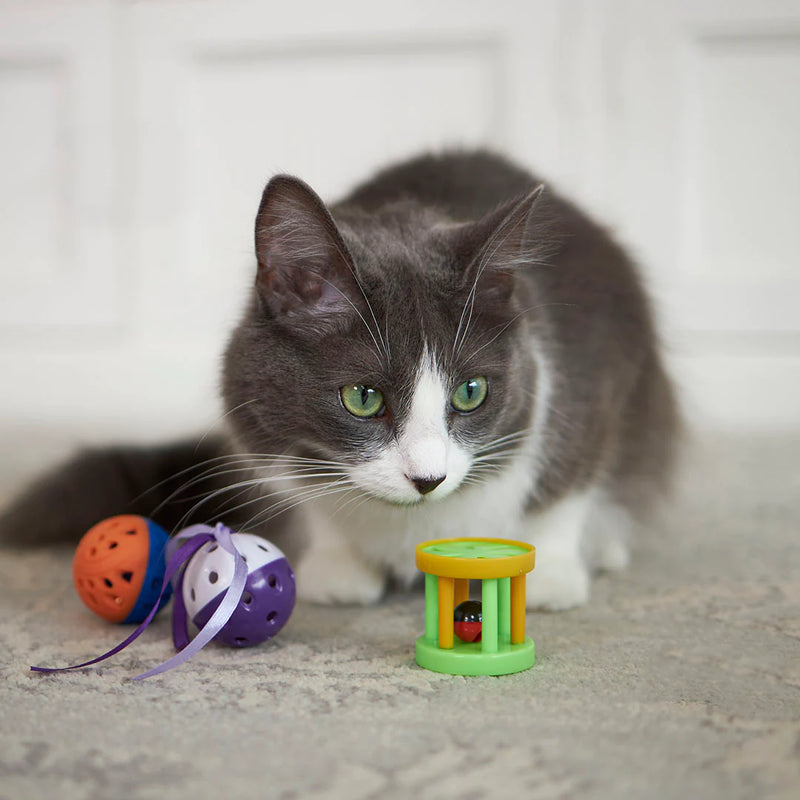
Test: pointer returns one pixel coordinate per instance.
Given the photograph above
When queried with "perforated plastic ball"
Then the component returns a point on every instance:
(468, 620)
(119, 566)
(269, 593)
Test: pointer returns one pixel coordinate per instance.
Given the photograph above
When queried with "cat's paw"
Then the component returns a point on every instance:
(557, 583)
(608, 536)
(613, 555)
(338, 579)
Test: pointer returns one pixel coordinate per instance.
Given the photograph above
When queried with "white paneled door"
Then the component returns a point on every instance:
(57, 161)
(706, 147)
(135, 140)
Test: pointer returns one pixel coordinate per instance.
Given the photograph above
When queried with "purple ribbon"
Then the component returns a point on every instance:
(196, 536)
(233, 594)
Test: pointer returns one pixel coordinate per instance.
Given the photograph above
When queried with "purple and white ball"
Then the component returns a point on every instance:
(269, 593)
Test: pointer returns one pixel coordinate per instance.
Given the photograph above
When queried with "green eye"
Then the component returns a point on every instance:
(362, 401)
(470, 394)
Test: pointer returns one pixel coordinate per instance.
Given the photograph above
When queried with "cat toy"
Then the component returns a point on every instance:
(267, 598)
(497, 643)
(119, 567)
(236, 588)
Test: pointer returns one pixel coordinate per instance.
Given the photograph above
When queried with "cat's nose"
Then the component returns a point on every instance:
(425, 485)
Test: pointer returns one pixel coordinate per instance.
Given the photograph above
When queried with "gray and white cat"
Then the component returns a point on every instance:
(449, 351)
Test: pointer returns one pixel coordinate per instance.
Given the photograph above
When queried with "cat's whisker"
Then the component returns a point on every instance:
(174, 475)
(298, 500)
(503, 461)
(192, 512)
(346, 501)
(470, 298)
(553, 411)
(496, 241)
(487, 469)
(363, 498)
(500, 458)
(508, 446)
(366, 300)
(230, 459)
(503, 441)
(220, 418)
(491, 463)
(559, 413)
(202, 495)
(386, 338)
(255, 482)
(258, 472)
(255, 460)
(207, 498)
(309, 471)
(507, 442)
(261, 498)
(512, 435)
(510, 323)
(472, 482)
(479, 478)
(231, 504)
(361, 317)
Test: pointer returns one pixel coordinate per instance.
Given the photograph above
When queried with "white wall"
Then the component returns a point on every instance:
(135, 139)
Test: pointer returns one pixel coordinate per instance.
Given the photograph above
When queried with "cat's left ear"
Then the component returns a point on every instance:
(498, 244)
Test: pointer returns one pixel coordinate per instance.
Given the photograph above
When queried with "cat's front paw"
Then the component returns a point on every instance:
(338, 579)
(557, 583)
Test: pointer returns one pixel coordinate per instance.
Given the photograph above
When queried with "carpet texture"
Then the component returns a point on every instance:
(681, 679)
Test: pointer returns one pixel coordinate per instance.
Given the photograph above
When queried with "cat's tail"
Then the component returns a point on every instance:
(97, 483)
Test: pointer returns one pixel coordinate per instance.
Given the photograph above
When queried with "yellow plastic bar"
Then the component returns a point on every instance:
(461, 591)
(431, 608)
(518, 609)
(504, 609)
(489, 615)
(446, 594)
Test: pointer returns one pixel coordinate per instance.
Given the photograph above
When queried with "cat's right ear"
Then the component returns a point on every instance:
(497, 245)
(304, 267)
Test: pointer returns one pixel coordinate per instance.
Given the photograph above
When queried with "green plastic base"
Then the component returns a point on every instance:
(467, 658)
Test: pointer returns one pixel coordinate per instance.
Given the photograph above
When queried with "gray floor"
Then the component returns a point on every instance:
(680, 679)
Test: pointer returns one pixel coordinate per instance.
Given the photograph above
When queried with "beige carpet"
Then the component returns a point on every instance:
(681, 679)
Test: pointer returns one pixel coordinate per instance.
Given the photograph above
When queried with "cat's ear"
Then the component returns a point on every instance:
(495, 246)
(304, 267)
